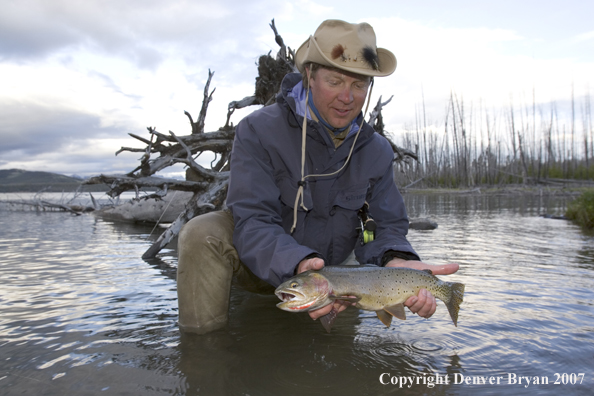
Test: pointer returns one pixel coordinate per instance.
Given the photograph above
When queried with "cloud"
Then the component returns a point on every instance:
(27, 31)
(489, 65)
(143, 32)
(585, 36)
(77, 76)
(30, 128)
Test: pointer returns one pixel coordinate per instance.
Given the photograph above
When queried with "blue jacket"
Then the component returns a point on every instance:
(265, 170)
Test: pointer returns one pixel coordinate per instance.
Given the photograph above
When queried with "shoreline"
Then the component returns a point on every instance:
(510, 189)
(507, 189)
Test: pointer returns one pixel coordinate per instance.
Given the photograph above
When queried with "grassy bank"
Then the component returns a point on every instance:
(581, 210)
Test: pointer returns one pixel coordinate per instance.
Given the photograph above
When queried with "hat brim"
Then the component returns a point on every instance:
(312, 53)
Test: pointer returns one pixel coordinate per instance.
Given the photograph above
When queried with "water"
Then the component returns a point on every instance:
(22, 201)
(82, 314)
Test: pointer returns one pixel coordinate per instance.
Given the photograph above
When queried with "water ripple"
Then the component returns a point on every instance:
(81, 313)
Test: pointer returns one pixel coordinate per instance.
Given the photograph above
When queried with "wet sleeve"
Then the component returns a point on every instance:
(254, 199)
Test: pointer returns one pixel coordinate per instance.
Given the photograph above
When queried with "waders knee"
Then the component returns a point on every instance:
(205, 270)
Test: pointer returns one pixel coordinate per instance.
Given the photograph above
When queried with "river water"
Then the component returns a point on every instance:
(82, 314)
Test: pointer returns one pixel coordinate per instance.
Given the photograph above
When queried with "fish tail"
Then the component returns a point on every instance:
(456, 296)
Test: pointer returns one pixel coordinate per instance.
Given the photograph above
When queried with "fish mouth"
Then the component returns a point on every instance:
(289, 296)
(293, 301)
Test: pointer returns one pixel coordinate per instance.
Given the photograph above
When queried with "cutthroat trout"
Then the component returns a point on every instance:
(371, 288)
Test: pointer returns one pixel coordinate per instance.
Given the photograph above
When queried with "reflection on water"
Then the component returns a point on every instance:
(81, 313)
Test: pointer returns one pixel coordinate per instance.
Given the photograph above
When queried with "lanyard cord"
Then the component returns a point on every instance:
(301, 183)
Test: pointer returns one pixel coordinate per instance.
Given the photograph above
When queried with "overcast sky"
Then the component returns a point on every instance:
(77, 76)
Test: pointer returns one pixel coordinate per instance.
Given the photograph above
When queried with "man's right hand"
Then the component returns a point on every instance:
(317, 263)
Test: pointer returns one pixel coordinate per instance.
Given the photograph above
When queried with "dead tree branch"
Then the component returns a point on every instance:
(121, 183)
(198, 126)
(377, 121)
(199, 204)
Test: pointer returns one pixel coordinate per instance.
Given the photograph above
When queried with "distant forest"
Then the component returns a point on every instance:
(473, 146)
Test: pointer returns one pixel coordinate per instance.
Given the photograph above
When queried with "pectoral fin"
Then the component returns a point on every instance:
(384, 317)
(396, 311)
(328, 320)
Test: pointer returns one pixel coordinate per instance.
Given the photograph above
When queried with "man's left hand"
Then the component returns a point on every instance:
(424, 303)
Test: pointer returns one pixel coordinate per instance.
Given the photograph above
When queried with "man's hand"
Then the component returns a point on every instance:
(424, 303)
(317, 264)
(314, 263)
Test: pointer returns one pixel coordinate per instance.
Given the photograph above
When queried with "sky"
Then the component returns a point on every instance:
(76, 76)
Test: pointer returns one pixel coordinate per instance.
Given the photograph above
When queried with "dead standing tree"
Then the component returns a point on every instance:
(209, 185)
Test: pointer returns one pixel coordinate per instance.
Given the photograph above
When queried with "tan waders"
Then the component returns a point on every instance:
(207, 264)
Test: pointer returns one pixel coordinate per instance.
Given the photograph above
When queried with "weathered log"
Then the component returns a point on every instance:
(66, 208)
(166, 209)
(122, 183)
(422, 224)
(43, 205)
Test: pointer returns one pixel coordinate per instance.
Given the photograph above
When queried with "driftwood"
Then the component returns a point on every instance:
(119, 184)
(422, 224)
(44, 205)
(209, 185)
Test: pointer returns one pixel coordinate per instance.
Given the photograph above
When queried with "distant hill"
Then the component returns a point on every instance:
(18, 180)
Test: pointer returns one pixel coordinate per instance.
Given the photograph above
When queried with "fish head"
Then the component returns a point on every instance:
(304, 292)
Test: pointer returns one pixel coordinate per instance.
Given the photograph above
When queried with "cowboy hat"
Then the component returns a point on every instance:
(346, 46)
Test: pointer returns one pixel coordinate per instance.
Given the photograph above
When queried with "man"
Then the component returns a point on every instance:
(301, 170)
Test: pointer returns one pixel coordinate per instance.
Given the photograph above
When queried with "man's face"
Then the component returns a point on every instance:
(338, 95)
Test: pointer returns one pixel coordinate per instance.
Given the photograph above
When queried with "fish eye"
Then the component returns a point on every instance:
(294, 284)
